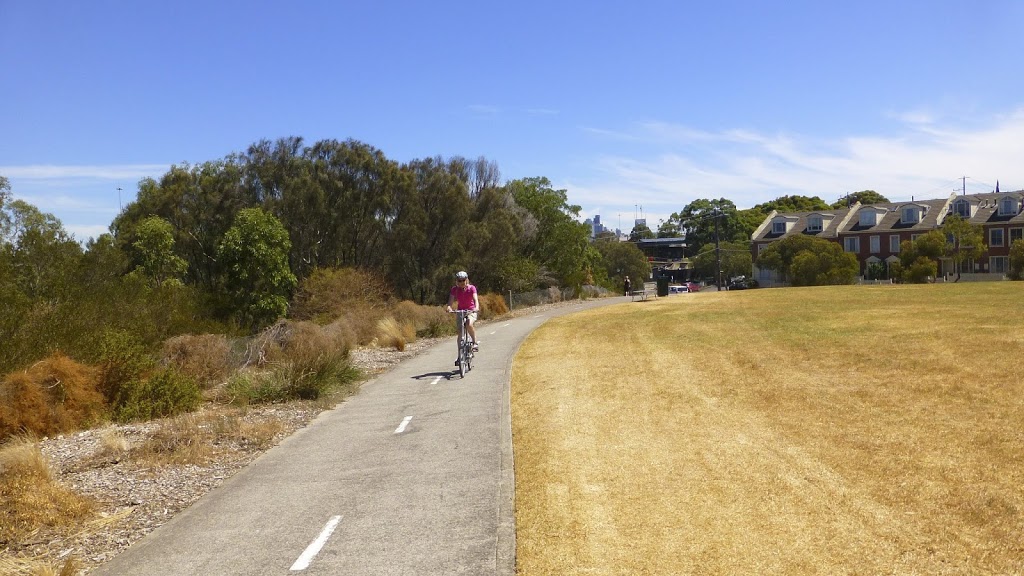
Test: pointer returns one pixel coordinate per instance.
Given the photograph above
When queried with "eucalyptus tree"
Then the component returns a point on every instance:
(562, 243)
(864, 197)
(496, 238)
(425, 237)
(155, 245)
(200, 202)
(793, 203)
(697, 222)
(351, 202)
(254, 252)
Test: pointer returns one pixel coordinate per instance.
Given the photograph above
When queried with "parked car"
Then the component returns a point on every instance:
(675, 289)
(693, 287)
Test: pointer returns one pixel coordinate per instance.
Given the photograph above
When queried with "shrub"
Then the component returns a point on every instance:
(54, 395)
(921, 270)
(492, 305)
(328, 293)
(205, 358)
(30, 498)
(166, 393)
(437, 323)
(123, 360)
(180, 440)
(296, 360)
(392, 334)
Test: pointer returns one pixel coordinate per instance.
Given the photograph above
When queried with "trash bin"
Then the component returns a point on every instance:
(663, 286)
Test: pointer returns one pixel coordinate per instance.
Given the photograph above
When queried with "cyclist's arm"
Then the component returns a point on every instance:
(451, 300)
(476, 301)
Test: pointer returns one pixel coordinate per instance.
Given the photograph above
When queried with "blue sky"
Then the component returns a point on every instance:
(623, 104)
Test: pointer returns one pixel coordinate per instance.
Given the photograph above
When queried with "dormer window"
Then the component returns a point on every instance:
(814, 224)
(782, 224)
(1008, 206)
(868, 217)
(910, 215)
(962, 208)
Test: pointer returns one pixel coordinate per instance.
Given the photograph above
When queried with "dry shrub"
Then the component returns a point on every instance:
(428, 321)
(362, 322)
(181, 440)
(392, 334)
(305, 342)
(30, 498)
(492, 305)
(113, 444)
(327, 293)
(205, 358)
(554, 294)
(294, 360)
(27, 566)
(53, 396)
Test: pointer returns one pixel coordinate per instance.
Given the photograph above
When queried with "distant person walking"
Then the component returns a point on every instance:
(627, 285)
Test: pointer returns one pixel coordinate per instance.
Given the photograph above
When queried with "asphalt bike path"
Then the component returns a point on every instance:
(410, 476)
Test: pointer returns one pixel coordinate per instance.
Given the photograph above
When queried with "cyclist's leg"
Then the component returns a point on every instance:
(470, 320)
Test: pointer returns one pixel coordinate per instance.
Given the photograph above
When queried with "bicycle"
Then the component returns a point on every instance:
(465, 360)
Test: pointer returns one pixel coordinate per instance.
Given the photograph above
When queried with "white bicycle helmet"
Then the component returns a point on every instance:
(461, 275)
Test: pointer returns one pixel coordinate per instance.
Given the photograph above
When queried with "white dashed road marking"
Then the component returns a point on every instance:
(401, 427)
(313, 549)
(436, 380)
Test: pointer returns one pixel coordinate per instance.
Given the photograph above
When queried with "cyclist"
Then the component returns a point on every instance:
(464, 296)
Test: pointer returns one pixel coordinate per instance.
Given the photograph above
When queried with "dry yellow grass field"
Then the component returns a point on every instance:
(832, 430)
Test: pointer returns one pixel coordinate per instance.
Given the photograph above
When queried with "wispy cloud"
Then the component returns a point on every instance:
(98, 172)
(484, 109)
(923, 159)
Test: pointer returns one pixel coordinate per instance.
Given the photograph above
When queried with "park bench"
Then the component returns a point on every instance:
(643, 294)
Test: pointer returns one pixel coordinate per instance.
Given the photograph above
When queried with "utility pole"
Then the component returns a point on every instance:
(119, 207)
(718, 254)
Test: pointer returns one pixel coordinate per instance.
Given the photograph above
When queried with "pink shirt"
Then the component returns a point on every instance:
(464, 298)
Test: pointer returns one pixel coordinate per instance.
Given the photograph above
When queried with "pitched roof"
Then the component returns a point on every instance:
(831, 222)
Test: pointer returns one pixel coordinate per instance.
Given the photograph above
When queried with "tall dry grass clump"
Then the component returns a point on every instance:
(328, 293)
(206, 358)
(492, 305)
(30, 498)
(293, 360)
(394, 334)
(52, 396)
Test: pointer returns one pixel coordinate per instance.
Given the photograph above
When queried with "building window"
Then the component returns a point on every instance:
(914, 237)
(778, 227)
(1007, 207)
(868, 218)
(995, 237)
(1016, 234)
(852, 244)
(760, 248)
(875, 243)
(911, 215)
(997, 264)
(894, 243)
(814, 224)
(962, 208)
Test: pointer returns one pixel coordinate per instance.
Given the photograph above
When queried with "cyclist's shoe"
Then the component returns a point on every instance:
(476, 346)
(456, 361)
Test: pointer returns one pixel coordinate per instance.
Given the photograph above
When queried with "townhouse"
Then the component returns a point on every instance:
(874, 232)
